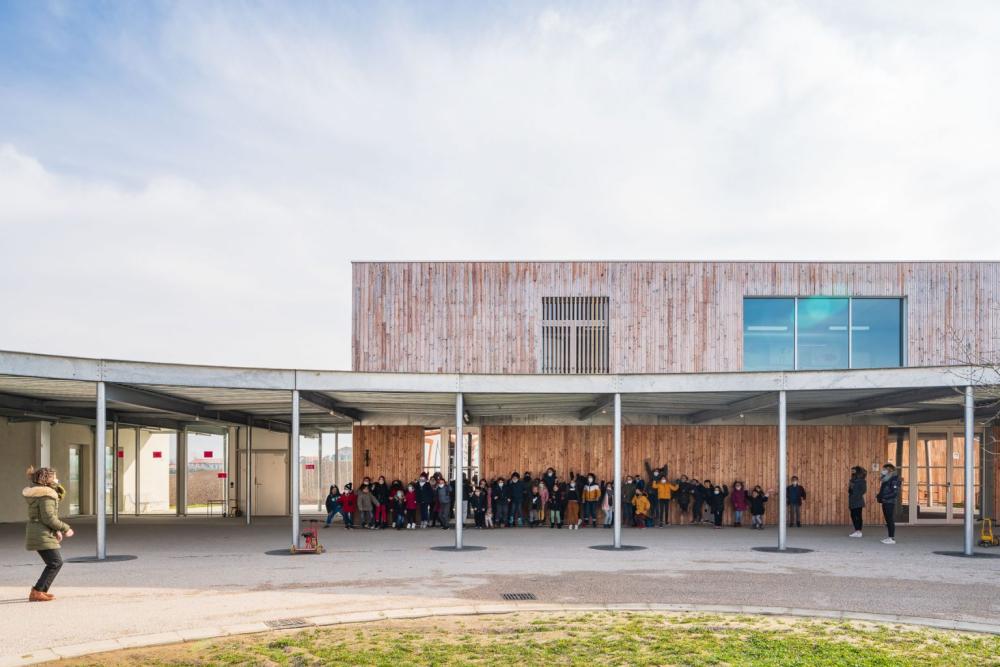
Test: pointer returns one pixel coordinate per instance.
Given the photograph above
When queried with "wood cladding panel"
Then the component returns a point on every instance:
(394, 451)
(666, 317)
(821, 456)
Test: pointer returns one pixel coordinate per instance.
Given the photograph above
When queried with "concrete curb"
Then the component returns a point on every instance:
(179, 636)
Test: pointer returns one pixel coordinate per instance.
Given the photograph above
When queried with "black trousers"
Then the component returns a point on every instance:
(889, 512)
(53, 563)
(856, 519)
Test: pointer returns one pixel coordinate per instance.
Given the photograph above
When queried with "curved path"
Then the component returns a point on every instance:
(195, 578)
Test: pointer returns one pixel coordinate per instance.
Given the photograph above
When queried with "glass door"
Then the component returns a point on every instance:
(73, 487)
(937, 476)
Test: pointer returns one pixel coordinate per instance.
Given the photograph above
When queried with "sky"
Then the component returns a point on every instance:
(189, 181)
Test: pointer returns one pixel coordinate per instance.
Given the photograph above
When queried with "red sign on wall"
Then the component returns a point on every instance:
(121, 453)
(157, 455)
(310, 466)
(222, 475)
(208, 455)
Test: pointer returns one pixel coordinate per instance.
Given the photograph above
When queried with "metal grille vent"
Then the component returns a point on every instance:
(285, 623)
(575, 334)
(519, 596)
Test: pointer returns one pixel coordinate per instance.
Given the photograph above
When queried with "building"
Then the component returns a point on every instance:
(721, 370)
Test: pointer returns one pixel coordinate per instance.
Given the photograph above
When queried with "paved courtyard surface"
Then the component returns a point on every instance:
(193, 573)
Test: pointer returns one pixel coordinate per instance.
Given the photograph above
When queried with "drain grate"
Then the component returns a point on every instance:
(286, 623)
(519, 596)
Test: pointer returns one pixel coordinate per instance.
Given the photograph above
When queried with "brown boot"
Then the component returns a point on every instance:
(38, 596)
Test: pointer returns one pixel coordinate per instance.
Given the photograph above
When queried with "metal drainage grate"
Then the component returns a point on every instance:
(519, 596)
(286, 623)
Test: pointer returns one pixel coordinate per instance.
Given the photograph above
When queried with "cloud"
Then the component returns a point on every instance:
(198, 197)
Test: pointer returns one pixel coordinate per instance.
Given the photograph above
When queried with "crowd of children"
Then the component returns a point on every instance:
(578, 500)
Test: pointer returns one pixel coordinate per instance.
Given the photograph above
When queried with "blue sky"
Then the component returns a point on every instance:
(189, 181)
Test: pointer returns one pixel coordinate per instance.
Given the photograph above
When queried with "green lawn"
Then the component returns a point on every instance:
(593, 639)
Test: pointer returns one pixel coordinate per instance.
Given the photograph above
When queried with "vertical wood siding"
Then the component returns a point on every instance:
(666, 317)
(394, 451)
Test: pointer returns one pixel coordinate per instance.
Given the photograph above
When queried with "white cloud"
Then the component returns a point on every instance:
(204, 204)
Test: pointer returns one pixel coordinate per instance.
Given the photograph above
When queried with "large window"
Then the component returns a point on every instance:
(804, 333)
(575, 334)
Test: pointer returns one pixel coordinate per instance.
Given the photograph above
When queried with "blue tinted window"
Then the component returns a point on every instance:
(768, 335)
(822, 329)
(876, 330)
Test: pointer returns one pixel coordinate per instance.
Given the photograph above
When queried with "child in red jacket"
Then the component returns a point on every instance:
(411, 507)
(348, 505)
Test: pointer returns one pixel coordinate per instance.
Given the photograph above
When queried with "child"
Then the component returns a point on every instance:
(535, 507)
(683, 495)
(664, 490)
(555, 506)
(641, 503)
(332, 505)
(591, 495)
(366, 507)
(795, 494)
(488, 502)
(697, 499)
(478, 504)
(411, 507)
(717, 501)
(756, 501)
(739, 500)
(425, 499)
(500, 505)
(399, 509)
(348, 505)
(608, 505)
(572, 507)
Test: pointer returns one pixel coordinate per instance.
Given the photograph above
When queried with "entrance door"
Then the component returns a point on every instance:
(73, 486)
(270, 490)
(937, 476)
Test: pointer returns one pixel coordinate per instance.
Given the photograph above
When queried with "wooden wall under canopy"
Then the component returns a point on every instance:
(393, 451)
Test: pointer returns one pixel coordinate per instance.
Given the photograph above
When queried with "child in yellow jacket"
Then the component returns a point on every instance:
(664, 489)
(641, 503)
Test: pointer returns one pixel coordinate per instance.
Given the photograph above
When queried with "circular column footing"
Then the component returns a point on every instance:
(786, 550)
(118, 558)
(962, 554)
(289, 552)
(454, 548)
(624, 547)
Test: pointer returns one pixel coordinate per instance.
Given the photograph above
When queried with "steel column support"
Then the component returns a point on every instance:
(293, 463)
(782, 470)
(319, 462)
(970, 482)
(182, 469)
(248, 455)
(100, 472)
(459, 451)
(138, 432)
(618, 474)
(115, 472)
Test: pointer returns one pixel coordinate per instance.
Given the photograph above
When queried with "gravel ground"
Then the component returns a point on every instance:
(191, 573)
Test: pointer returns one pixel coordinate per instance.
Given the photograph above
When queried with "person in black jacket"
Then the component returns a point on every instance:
(425, 499)
(757, 500)
(888, 493)
(477, 502)
(501, 506)
(717, 501)
(699, 493)
(381, 492)
(549, 479)
(794, 495)
(683, 495)
(856, 490)
(515, 498)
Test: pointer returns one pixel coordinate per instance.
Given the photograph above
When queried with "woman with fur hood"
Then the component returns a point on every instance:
(44, 530)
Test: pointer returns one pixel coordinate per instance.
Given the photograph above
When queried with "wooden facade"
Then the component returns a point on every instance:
(666, 317)
(394, 451)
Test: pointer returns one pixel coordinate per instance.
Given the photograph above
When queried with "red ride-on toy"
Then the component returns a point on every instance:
(310, 537)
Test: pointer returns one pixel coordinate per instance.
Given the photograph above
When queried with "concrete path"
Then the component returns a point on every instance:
(198, 574)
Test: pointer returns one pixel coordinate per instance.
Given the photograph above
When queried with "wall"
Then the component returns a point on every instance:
(17, 452)
(820, 455)
(394, 451)
(476, 317)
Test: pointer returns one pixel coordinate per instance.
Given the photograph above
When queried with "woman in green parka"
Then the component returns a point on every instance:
(45, 530)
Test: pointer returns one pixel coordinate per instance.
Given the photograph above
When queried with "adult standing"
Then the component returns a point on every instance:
(856, 490)
(888, 493)
(425, 499)
(444, 503)
(45, 530)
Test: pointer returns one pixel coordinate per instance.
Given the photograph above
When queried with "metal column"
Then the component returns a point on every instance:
(100, 473)
(138, 432)
(182, 467)
(115, 472)
(970, 488)
(248, 455)
(618, 473)
(782, 470)
(293, 464)
(459, 447)
(319, 462)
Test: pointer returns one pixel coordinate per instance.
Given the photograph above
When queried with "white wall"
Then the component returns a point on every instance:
(17, 452)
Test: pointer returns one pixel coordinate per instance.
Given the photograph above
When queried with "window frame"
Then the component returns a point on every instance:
(903, 312)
